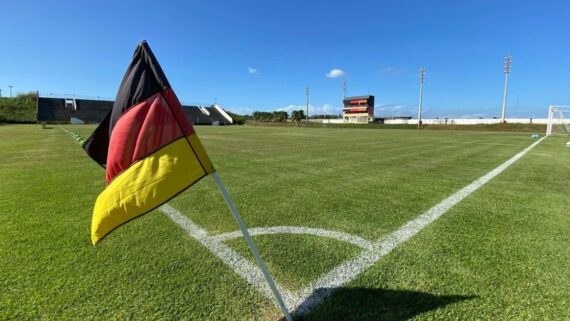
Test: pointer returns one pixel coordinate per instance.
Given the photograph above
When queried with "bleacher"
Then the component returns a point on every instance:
(52, 110)
(196, 116)
(216, 116)
(90, 111)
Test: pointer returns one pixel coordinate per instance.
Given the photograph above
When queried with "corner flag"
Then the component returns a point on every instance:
(147, 146)
(151, 153)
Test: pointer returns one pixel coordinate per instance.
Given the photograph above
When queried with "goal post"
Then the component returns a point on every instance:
(558, 120)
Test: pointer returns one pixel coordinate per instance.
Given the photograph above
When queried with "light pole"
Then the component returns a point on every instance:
(422, 78)
(507, 66)
(10, 90)
(343, 89)
(307, 95)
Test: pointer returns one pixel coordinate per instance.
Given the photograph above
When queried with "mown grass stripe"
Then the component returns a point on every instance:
(325, 285)
(251, 273)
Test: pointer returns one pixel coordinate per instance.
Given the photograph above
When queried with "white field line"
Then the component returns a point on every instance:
(325, 285)
(240, 265)
(305, 299)
(341, 236)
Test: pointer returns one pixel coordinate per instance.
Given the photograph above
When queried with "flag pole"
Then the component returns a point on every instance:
(251, 245)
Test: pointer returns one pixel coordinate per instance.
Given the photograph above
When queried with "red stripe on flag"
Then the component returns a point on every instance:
(143, 129)
(176, 109)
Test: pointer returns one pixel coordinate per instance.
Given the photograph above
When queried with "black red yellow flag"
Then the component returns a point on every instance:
(147, 146)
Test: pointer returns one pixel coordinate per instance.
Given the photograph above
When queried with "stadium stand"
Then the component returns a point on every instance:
(61, 110)
(89, 111)
(52, 110)
(92, 111)
(197, 116)
(217, 116)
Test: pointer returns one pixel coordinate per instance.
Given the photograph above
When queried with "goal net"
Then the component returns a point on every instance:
(558, 120)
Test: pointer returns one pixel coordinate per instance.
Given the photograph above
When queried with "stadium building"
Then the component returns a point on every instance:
(358, 109)
(92, 111)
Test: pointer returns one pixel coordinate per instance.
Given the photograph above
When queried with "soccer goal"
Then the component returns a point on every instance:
(558, 120)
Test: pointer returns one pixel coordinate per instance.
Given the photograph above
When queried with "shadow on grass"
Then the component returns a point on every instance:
(364, 304)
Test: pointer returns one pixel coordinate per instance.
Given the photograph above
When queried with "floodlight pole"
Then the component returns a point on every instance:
(507, 66)
(422, 78)
(251, 245)
(344, 89)
(307, 95)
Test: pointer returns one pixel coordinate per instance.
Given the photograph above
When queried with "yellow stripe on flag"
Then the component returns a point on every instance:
(201, 153)
(149, 183)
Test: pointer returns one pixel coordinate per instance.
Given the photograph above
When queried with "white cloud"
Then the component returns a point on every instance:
(251, 70)
(475, 115)
(325, 109)
(335, 73)
(393, 110)
(240, 110)
(291, 108)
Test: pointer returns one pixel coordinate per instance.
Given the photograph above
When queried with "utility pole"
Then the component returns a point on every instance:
(343, 89)
(307, 95)
(11, 91)
(422, 78)
(507, 66)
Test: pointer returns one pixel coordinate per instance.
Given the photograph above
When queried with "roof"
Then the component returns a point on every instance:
(359, 97)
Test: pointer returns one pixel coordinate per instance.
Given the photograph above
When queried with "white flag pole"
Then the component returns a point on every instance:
(251, 245)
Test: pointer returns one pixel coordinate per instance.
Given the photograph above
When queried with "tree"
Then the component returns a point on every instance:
(276, 116)
(280, 116)
(262, 116)
(19, 109)
(297, 115)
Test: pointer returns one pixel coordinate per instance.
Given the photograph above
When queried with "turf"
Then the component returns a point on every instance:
(502, 253)
(305, 264)
(507, 127)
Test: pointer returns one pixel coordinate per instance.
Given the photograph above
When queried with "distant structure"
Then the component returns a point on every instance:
(358, 109)
(92, 111)
(393, 119)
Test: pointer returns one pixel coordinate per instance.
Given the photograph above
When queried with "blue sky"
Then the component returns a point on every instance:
(259, 55)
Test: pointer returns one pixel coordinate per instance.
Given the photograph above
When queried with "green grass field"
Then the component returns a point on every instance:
(503, 253)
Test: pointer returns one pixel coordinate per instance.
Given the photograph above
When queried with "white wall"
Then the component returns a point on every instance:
(467, 121)
(327, 121)
(441, 121)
